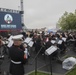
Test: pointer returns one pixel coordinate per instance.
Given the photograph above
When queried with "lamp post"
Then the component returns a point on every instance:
(22, 14)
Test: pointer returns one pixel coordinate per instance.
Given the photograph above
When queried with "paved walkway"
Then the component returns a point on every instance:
(43, 63)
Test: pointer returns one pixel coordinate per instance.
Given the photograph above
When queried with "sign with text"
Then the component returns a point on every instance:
(10, 21)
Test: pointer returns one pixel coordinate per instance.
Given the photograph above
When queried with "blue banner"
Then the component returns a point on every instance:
(10, 21)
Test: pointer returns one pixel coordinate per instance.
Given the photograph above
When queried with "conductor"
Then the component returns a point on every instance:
(17, 56)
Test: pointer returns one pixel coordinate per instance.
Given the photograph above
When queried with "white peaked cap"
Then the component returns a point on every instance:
(16, 37)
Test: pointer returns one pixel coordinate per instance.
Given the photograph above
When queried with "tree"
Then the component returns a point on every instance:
(67, 21)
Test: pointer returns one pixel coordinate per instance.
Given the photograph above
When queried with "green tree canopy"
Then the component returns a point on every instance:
(67, 21)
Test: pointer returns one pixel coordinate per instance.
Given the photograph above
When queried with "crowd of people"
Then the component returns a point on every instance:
(18, 46)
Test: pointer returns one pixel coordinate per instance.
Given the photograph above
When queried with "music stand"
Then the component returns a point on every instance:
(35, 59)
(48, 52)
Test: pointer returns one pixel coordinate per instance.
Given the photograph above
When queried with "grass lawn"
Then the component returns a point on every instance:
(72, 72)
(39, 73)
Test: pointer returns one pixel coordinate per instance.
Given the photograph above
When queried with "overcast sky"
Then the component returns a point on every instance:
(41, 13)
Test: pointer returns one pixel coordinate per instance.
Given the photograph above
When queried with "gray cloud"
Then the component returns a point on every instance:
(44, 13)
(41, 13)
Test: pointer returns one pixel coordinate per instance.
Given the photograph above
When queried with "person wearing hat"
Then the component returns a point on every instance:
(17, 56)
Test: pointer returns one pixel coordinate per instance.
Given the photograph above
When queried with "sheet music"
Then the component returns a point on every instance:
(10, 38)
(10, 43)
(53, 41)
(50, 50)
(31, 43)
(60, 42)
(64, 39)
(27, 40)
